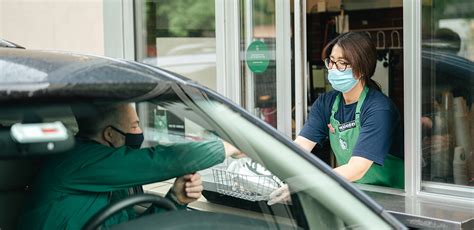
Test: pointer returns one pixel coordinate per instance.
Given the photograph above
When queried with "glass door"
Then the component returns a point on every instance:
(266, 61)
(243, 49)
(178, 36)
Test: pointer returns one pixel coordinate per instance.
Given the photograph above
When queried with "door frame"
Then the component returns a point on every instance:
(228, 26)
(283, 65)
(119, 29)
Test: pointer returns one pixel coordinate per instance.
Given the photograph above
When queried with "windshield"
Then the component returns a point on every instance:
(244, 186)
(271, 185)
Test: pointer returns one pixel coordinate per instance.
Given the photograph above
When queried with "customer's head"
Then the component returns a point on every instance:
(114, 126)
(357, 51)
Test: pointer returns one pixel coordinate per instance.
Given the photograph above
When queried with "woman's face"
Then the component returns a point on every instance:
(337, 56)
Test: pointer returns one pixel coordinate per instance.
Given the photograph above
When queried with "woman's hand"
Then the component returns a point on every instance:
(280, 195)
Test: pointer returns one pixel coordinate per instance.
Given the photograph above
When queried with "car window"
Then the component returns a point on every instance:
(243, 186)
(237, 187)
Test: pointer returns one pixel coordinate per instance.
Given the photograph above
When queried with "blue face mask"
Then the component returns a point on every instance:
(342, 81)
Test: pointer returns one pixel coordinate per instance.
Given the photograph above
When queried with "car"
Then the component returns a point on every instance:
(48, 91)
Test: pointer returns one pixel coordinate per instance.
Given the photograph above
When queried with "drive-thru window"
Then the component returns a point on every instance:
(425, 58)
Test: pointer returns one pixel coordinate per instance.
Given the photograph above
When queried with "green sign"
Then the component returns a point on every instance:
(257, 57)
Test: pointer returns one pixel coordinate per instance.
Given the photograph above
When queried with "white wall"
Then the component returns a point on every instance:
(73, 25)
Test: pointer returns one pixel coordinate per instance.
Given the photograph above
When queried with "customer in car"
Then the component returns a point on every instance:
(105, 162)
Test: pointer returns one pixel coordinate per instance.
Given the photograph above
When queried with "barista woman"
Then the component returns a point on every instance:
(362, 124)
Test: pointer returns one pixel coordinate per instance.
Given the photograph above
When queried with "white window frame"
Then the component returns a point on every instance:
(414, 185)
(119, 30)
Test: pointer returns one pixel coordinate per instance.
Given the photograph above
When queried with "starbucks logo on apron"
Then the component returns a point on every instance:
(343, 144)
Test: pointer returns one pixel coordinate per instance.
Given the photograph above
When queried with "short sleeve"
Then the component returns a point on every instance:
(315, 129)
(376, 135)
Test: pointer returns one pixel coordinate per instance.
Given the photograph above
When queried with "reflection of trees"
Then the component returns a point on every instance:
(453, 8)
(182, 18)
(195, 18)
(435, 10)
(263, 12)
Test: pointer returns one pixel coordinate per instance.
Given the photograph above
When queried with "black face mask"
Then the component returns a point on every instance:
(132, 140)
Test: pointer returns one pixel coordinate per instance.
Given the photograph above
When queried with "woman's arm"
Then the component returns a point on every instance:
(305, 143)
(354, 169)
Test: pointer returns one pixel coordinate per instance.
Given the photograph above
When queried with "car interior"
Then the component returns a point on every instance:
(20, 162)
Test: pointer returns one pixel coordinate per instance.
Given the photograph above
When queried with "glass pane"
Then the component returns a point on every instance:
(184, 45)
(258, 62)
(448, 92)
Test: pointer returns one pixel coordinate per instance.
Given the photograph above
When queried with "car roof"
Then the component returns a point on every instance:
(34, 75)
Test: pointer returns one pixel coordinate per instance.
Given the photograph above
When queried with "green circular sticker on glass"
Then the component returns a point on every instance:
(257, 57)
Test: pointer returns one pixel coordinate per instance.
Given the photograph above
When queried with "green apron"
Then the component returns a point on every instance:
(343, 140)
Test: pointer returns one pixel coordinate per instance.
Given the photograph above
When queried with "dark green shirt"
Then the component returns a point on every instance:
(74, 186)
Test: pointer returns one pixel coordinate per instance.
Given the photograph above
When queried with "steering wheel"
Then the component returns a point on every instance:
(111, 209)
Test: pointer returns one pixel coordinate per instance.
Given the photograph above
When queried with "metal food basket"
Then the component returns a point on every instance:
(252, 188)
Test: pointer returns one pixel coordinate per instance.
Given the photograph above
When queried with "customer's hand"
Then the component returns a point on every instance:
(187, 188)
(280, 195)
